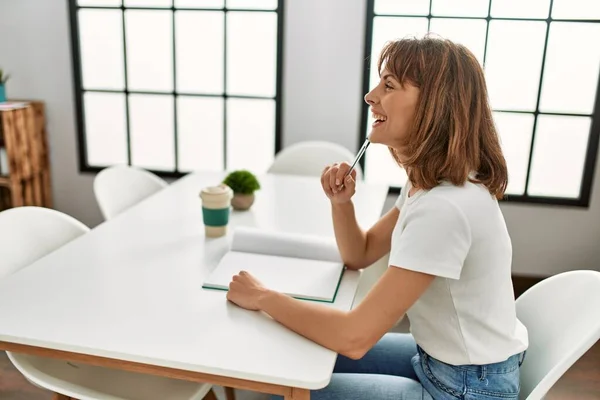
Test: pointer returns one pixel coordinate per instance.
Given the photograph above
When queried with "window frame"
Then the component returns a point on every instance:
(79, 91)
(592, 150)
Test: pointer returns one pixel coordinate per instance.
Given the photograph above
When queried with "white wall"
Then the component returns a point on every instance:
(322, 77)
(35, 49)
(322, 99)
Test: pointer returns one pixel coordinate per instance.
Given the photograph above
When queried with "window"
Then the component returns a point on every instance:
(541, 60)
(174, 86)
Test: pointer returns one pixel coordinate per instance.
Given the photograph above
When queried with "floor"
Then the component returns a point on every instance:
(581, 382)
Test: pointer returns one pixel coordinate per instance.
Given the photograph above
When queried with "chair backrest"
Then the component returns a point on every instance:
(309, 158)
(562, 316)
(29, 233)
(119, 187)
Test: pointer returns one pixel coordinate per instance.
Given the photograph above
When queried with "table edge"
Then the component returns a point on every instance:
(256, 383)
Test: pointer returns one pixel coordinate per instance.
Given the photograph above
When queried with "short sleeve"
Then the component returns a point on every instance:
(435, 239)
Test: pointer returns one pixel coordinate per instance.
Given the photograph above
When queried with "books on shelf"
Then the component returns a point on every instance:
(302, 266)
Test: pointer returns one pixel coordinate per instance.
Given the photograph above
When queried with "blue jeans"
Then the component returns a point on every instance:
(397, 369)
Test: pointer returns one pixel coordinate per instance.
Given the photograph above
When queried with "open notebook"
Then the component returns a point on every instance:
(305, 267)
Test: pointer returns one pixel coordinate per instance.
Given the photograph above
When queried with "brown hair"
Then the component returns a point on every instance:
(453, 133)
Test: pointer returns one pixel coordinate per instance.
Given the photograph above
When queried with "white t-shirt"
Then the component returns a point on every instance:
(467, 315)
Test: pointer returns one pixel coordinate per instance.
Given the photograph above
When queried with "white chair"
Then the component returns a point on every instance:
(29, 233)
(309, 158)
(562, 316)
(119, 187)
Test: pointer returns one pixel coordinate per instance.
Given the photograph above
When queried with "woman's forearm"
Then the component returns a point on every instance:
(329, 327)
(351, 239)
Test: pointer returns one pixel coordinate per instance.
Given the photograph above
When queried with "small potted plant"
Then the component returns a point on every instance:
(243, 183)
(3, 79)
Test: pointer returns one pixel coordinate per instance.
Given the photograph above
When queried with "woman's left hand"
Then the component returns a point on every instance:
(245, 291)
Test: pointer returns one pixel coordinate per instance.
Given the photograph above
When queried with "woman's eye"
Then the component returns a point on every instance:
(388, 86)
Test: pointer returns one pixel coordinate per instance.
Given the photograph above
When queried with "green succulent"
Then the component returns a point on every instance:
(242, 182)
(3, 77)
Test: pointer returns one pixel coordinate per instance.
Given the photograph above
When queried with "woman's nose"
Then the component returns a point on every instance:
(370, 98)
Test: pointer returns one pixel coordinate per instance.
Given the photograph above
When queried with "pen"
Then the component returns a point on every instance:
(360, 153)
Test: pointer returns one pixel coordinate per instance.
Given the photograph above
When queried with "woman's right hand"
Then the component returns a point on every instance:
(338, 189)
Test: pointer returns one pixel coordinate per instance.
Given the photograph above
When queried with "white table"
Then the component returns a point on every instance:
(128, 294)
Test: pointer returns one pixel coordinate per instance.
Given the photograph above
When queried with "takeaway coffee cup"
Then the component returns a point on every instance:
(216, 204)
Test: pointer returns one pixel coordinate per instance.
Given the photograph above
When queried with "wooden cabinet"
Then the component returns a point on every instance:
(23, 139)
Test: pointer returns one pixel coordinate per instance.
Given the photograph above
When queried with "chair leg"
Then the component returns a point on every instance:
(229, 393)
(210, 395)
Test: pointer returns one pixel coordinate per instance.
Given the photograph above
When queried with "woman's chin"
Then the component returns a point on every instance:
(374, 137)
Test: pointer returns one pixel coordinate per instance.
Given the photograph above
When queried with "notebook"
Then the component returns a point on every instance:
(302, 266)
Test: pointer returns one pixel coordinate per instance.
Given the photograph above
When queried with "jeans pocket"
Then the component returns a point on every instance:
(445, 377)
(504, 385)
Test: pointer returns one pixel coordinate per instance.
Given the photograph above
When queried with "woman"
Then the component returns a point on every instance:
(449, 250)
